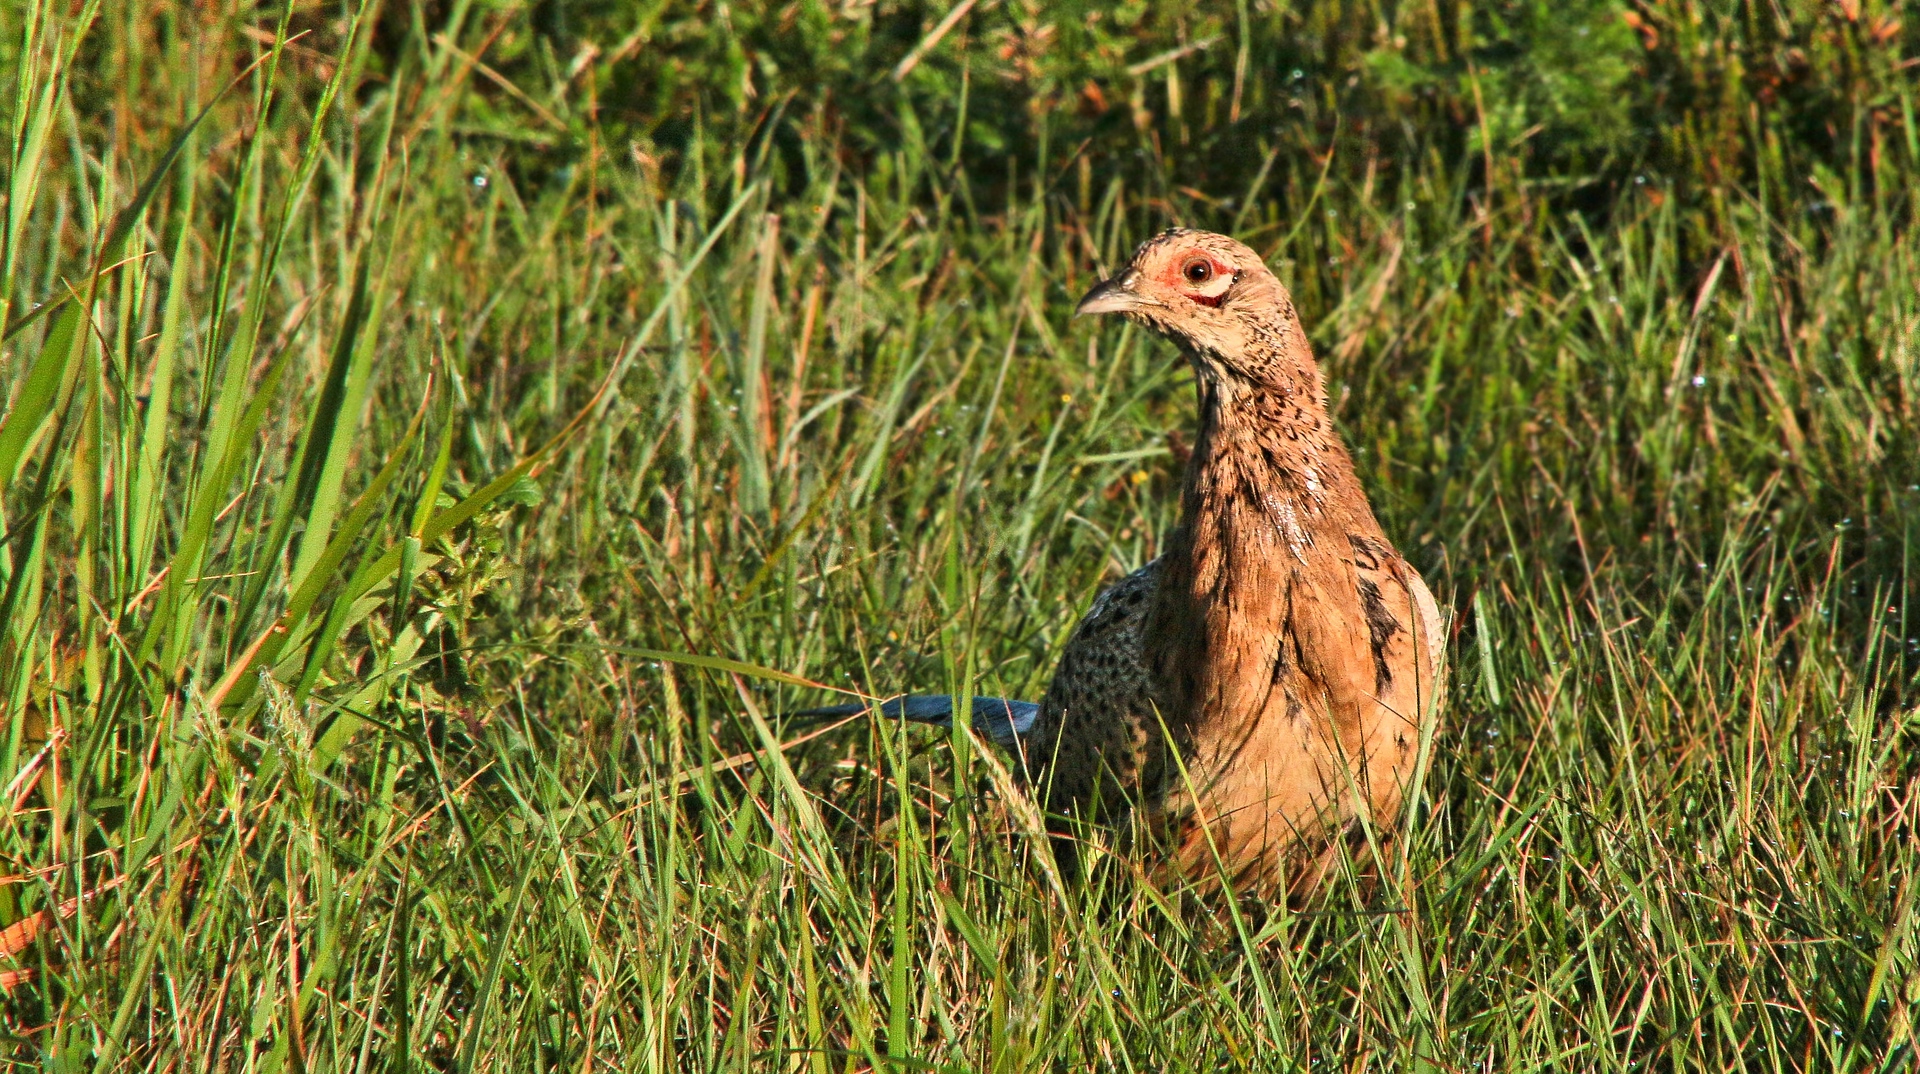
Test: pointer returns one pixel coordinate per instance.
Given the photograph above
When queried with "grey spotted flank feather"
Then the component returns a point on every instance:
(1262, 684)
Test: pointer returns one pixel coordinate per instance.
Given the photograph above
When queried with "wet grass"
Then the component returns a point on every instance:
(424, 478)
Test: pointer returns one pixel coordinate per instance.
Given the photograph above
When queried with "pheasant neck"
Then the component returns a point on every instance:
(1268, 471)
(1270, 493)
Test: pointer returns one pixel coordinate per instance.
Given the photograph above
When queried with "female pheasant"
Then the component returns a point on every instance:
(1262, 685)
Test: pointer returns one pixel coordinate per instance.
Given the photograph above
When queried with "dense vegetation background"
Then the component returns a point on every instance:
(440, 436)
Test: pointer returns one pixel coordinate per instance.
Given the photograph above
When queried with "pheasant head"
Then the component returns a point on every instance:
(1214, 298)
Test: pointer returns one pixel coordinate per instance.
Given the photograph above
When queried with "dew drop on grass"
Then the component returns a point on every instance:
(1699, 381)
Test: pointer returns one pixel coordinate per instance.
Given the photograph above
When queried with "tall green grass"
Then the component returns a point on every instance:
(440, 438)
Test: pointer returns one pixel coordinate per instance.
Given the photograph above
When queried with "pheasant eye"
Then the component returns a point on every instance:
(1198, 270)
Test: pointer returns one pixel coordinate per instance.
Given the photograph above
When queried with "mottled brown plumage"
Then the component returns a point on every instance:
(1262, 684)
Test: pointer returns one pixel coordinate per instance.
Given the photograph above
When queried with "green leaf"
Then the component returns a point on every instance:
(38, 392)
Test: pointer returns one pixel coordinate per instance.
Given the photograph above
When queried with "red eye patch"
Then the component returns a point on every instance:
(1203, 279)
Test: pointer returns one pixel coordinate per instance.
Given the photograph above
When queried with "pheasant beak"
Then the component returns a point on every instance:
(1111, 296)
